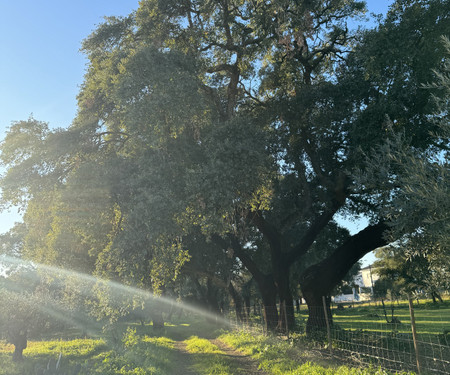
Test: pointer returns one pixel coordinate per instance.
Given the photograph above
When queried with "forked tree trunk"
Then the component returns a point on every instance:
(212, 300)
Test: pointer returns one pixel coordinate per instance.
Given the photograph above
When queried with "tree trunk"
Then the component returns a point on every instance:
(157, 320)
(237, 302)
(316, 314)
(268, 292)
(212, 299)
(286, 318)
(436, 296)
(265, 283)
(20, 343)
(319, 279)
(247, 306)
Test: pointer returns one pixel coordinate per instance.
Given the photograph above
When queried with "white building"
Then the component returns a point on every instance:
(367, 277)
(364, 279)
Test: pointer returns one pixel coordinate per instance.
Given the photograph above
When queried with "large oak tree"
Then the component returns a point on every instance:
(242, 119)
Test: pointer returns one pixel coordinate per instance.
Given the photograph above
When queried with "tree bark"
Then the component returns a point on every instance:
(265, 283)
(212, 297)
(20, 343)
(247, 306)
(286, 318)
(157, 320)
(283, 257)
(319, 279)
(316, 314)
(237, 302)
(269, 299)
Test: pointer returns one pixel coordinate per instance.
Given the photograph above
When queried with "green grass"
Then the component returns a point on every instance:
(39, 353)
(363, 329)
(209, 359)
(198, 345)
(76, 349)
(431, 319)
(280, 357)
(139, 350)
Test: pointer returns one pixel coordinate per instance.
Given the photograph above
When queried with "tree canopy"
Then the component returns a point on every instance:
(229, 126)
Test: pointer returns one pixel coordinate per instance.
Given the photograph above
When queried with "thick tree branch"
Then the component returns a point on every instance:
(325, 275)
(338, 200)
(202, 273)
(238, 252)
(310, 148)
(216, 99)
(222, 67)
(268, 230)
(313, 231)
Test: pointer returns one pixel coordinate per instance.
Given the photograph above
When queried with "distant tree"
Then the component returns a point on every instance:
(411, 275)
(27, 308)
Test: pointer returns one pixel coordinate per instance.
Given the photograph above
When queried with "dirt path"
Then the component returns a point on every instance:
(246, 365)
(184, 365)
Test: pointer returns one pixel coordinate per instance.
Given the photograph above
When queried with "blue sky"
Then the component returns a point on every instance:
(41, 67)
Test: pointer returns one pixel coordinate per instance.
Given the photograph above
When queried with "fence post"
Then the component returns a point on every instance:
(263, 319)
(330, 346)
(286, 319)
(414, 333)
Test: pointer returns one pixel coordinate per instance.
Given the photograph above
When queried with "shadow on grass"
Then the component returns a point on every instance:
(182, 329)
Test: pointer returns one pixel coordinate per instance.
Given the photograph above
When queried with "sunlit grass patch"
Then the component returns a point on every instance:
(279, 357)
(245, 341)
(6, 347)
(160, 341)
(141, 355)
(209, 359)
(69, 349)
(430, 318)
(39, 353)
(197, 345)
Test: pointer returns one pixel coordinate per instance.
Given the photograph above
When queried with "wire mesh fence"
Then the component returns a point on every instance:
(379, 334)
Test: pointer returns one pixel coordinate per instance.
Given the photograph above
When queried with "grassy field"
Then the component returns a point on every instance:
(184, 347)
(431, 319)
(196, 346)
(364, 329)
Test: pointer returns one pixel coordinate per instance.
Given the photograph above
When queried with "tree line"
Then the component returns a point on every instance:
(217, 142)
